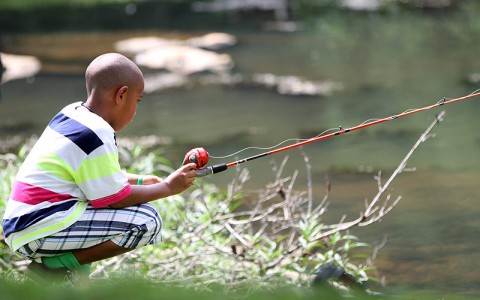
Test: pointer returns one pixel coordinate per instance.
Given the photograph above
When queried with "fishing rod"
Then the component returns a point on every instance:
(200, 156)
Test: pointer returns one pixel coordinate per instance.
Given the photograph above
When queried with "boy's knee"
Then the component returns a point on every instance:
(145, 228)
(152, 220)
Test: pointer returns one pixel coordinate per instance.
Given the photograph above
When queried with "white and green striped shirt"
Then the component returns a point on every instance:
(73, 164)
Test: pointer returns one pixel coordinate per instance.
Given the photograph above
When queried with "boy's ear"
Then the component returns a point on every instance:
(121, 93)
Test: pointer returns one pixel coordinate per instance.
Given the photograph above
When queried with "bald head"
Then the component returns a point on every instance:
(109, 71)
(114, 87)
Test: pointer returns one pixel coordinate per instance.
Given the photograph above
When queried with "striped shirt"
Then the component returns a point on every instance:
(73, 164)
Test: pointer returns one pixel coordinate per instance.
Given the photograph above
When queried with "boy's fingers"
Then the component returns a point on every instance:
(189, 167)
(188, 171)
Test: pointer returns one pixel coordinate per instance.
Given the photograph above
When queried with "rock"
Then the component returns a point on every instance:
(282, 26)
(19, 66)
(162, 81)
(294, 85)
(140, 44)
(184, 60)
(473, 78)
(213, 41)
(284, 85)
(362, 5)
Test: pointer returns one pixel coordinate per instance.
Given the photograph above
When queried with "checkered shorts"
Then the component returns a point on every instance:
(130, 227)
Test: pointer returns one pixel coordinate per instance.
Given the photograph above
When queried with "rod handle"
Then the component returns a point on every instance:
(211, 170)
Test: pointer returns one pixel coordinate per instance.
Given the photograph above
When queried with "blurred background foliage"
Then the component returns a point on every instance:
(54, 15)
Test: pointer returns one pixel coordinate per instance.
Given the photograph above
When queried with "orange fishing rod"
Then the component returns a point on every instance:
(200, 156)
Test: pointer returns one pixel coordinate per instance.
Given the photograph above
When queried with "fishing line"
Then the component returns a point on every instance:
(318, 135)
(275, 146)
(200, 156)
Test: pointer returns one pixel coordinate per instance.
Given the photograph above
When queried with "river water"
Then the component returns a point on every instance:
(386, 65)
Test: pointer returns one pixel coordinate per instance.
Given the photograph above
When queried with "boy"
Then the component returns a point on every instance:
(71, 204)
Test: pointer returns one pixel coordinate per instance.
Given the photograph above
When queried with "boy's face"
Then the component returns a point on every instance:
(129, 106)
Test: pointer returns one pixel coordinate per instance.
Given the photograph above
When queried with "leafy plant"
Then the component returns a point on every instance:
(236, 239)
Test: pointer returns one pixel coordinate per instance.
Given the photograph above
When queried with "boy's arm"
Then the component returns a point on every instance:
(132, 178)
(175, 183)
(135, 179)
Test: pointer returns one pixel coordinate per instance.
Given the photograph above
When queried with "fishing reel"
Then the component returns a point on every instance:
(198, 156)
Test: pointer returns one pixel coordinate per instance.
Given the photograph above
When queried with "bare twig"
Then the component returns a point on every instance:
(382, 188)
(309, 182)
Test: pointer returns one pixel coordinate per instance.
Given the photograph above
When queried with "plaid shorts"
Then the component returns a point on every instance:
(131, 227)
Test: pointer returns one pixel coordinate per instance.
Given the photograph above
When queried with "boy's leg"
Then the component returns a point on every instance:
(99, 234)
(99, 252)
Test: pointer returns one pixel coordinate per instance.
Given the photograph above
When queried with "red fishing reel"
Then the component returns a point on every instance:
(198, 156)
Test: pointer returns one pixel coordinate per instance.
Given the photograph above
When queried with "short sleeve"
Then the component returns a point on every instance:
(101, 178)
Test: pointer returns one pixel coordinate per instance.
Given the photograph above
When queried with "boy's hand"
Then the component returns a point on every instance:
(150, 179)
(181, 179)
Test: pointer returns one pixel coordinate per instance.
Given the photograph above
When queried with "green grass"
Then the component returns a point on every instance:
(120, 289)
(137, 289)
(123, 289)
